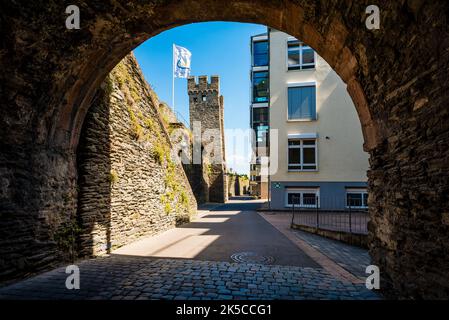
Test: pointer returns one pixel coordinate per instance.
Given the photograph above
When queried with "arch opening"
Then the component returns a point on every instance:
(51, 77)
(82, 132)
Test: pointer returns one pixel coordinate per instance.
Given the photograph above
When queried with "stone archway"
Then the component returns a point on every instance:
(50, 75)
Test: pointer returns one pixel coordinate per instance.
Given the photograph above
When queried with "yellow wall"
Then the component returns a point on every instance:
(341, 158)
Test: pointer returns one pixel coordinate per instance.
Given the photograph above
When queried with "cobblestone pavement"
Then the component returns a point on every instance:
(351, 258)
(137, 278)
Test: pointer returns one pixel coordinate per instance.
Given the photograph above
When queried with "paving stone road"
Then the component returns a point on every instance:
(353, 259)
(132, 278)
(124, 277)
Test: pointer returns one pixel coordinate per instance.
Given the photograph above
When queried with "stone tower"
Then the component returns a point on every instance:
(207, 123)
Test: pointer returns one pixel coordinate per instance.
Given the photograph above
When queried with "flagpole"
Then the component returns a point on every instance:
(173, 80)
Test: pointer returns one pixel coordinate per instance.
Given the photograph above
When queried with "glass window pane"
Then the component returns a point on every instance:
(309, 199)
(262, 134)
(260, 87)
(293, 58)
(260, 115)
(354, 199)
(294, 156)
(260, 54)
(365, 199)
(294, 197)
(308, 56)
(293, 53)
(310, 66)
(309, 167)
(309, 142)
(293, 44)
(309, 155)
(294, 142)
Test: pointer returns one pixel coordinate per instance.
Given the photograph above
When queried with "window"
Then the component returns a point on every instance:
(260, 86)
(204, 98)
(302, 103)
(262, 136)
(356, 198)
(300, 56)
(302, 155)
(305, 198)
(260, 115)
(260, 53)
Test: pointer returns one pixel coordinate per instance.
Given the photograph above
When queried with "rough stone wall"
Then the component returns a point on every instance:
(206, 108)
(129, 185)
(198, 175)
(237, 185)
(182, 140)
(397, 77)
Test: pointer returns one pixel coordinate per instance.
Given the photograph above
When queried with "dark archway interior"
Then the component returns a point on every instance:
(397, 77)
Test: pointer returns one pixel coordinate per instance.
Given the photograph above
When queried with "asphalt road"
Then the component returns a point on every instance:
(226, 230)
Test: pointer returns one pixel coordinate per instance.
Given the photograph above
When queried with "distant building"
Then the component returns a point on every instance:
(319, 147)
(206, 106)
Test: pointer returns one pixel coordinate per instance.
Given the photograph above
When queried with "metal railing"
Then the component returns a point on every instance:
(180, 118)
(330, 214)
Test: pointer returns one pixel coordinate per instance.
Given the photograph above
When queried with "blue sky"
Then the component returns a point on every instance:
(218, 48)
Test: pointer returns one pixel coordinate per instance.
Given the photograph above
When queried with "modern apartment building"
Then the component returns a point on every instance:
(316, 156)
(260, 112)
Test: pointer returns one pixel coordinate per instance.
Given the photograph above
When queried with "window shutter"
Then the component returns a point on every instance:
(308, 103)
(302, 103)
(313, 103)
(293, 103)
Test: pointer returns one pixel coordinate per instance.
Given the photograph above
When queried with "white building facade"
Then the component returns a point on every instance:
(316, 155)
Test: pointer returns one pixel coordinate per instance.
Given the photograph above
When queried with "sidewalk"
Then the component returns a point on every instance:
(351, 258)
(340, 259)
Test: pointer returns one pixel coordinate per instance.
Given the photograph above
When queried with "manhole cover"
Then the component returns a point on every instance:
(252, 257)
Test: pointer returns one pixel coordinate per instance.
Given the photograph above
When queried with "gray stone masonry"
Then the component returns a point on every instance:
(207, 110)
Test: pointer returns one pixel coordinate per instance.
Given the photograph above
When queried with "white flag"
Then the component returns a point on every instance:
(181, 61)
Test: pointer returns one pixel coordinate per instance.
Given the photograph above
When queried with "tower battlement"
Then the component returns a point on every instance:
(203, 84)
(206, 107)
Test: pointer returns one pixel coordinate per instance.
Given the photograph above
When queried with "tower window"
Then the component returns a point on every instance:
(204, 98)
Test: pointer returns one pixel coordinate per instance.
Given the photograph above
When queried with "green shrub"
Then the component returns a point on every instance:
(150, 124)
(137, 131)
(159, 153)
(66, 238)
(167, 208)
(113, 177)
(184, 199)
